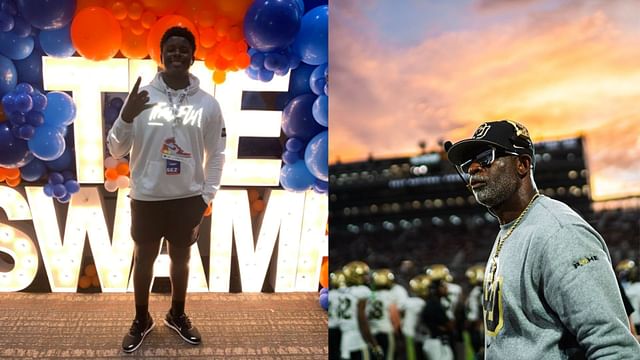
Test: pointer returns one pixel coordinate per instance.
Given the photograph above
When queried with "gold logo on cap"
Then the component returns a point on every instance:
(481, 131)
(521, 131)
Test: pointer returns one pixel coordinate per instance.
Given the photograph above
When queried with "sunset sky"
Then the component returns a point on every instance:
(410, 70)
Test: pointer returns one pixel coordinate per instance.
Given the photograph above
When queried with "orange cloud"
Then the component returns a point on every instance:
(566, 78)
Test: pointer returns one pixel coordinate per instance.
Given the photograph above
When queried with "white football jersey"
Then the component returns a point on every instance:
(473, 306)
(378, 311)
(334, 300)
(449, 302)
(352, 339)
(412, 308)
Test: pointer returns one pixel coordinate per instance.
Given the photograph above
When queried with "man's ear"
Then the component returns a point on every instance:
(524, 164)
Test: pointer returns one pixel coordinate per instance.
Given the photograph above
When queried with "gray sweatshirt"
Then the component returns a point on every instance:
(554, 293)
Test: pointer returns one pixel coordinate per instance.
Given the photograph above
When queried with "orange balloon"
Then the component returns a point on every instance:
(258, 206)
(162, 7)
(242, 60)
(134, 46)
(81, 4)
(122, 169)
(253, 195)
(241, 46)
(84, 282)
(13, 182)
(222, 26)
(207, 37)
(205, 17)
(235, 33)
(96, 34)
(207, 212)
(125, 23)
(219, 76)
(210, 59)
(324, 272)
(222, 63)
(234, 10)
(135, 11)
(201, 53)
(137, 28)
(148, 19)
(119, 10)
(228, 49)
(12, 173)
(160, 27)
(90, 270)
(111, 174)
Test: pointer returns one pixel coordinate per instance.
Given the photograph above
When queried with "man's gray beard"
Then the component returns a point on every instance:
(497, 191)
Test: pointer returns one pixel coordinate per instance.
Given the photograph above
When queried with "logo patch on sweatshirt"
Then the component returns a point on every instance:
(584, 261)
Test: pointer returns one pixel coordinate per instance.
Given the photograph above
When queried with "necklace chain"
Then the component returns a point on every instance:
(513, 227)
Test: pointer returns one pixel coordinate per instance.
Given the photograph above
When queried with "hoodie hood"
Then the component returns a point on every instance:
(159, 84)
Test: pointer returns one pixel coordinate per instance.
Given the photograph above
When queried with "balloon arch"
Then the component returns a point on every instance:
(263, 38)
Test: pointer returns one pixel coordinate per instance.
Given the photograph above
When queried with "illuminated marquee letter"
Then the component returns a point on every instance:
(16, 243)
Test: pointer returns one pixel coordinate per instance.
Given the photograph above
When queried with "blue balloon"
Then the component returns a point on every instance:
(59, 191)
(48, 190)
(6, 22)
(30, 69)
(324, 290)
(57, 43)
(297, 118)
(24, 87)
(33, 171)
(290, 157)
(300, 4)
(26, 131)
(9, 102)
(311, 4)
(320, 186)
(65, 199)
(294, 144)
(276, 62)
(63, 162)
(294, 61)
(24, 103)
(55, 178)
(21, 28)
(14, 47)
(60, 109)
(252, 73)
(324, 301)
(116, 102)
(9, 7)
(17, 118)
(316, 156)
(312, 42)
(299, 80)
(296, 177)
(14, 152)
(8, 76)
(72, 186)
(47, 14)
(265, 75)
(68, 175)
(272, 24)
(257, 61)
(320, 110)
(47, 143)
(39, 101)
(318, 79)
(35, 118)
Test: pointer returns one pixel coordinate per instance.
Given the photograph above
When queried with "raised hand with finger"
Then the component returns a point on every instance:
(137, 102)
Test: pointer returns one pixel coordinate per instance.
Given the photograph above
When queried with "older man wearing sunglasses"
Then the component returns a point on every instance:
(549, 288)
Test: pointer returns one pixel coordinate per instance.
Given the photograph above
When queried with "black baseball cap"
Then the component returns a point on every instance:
(504, 134)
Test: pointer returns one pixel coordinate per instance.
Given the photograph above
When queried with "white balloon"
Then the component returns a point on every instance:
(122, 182)
(111, 185)
(110, 162)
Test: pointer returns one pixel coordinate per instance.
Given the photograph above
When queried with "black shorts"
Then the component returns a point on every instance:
(177, 220)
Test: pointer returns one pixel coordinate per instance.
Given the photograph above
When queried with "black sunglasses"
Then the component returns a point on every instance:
(484, 158)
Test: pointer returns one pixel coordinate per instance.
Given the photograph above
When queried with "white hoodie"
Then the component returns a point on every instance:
(200, 136)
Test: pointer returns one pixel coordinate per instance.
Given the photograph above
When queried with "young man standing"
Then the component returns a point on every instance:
(549, 287)
(175, 135)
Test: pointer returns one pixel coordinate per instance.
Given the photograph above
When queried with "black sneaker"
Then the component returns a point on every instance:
(134, 338)
(182, 325)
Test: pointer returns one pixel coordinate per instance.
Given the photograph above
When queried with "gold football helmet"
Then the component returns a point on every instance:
(627, 269)
(337, 280)
(356, 273)
(420, 285)
(439, 272)
(382, 278)
(475, 274)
